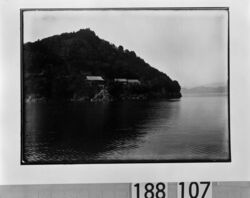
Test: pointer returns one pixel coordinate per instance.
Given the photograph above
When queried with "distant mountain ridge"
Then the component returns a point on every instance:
(55, 67)
(211, 88)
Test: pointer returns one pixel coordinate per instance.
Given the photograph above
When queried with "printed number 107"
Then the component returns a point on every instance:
(194, 190)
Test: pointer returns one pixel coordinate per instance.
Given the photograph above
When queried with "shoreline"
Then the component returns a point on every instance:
(81, 100)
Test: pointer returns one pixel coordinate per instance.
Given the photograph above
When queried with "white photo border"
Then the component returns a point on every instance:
(12, 172)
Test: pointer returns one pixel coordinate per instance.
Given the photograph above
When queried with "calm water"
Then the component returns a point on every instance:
(192, 128)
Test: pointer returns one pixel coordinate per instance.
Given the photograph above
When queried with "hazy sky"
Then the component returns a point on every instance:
(189, 46)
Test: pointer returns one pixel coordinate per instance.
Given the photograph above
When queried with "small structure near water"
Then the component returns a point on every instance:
(98, 80)
(127, 81)
(95, 80)
(133, 81)
(121, 80)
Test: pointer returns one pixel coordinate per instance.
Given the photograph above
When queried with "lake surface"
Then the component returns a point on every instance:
(193, 128)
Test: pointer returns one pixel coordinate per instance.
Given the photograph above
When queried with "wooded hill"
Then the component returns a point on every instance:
(56, 67)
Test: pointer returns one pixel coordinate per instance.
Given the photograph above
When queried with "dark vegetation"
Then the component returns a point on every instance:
(56, 67)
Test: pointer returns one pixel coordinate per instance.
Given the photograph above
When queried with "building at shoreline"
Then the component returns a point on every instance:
(95, 80)
(127, 81)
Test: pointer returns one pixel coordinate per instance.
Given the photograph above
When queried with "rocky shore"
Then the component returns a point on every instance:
(102, 96)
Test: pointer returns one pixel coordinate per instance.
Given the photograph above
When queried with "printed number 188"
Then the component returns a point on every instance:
(149, 190)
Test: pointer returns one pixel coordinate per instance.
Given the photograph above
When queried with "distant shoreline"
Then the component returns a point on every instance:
(204, 94)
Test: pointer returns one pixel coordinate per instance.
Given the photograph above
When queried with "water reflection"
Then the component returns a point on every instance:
(84, 131)
(190, 128)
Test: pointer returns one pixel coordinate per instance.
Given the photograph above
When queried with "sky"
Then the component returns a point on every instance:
(190, 46)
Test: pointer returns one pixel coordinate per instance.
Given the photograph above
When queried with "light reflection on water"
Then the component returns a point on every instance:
(192, 128)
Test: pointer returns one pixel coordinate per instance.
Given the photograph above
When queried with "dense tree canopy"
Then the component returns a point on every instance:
(56, 66)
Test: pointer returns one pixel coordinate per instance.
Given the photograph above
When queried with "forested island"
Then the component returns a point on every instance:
(80, 66)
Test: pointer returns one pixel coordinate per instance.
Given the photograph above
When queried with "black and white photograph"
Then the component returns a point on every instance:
(125, 85)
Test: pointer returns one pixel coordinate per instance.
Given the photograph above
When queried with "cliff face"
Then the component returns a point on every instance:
(56, 67)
